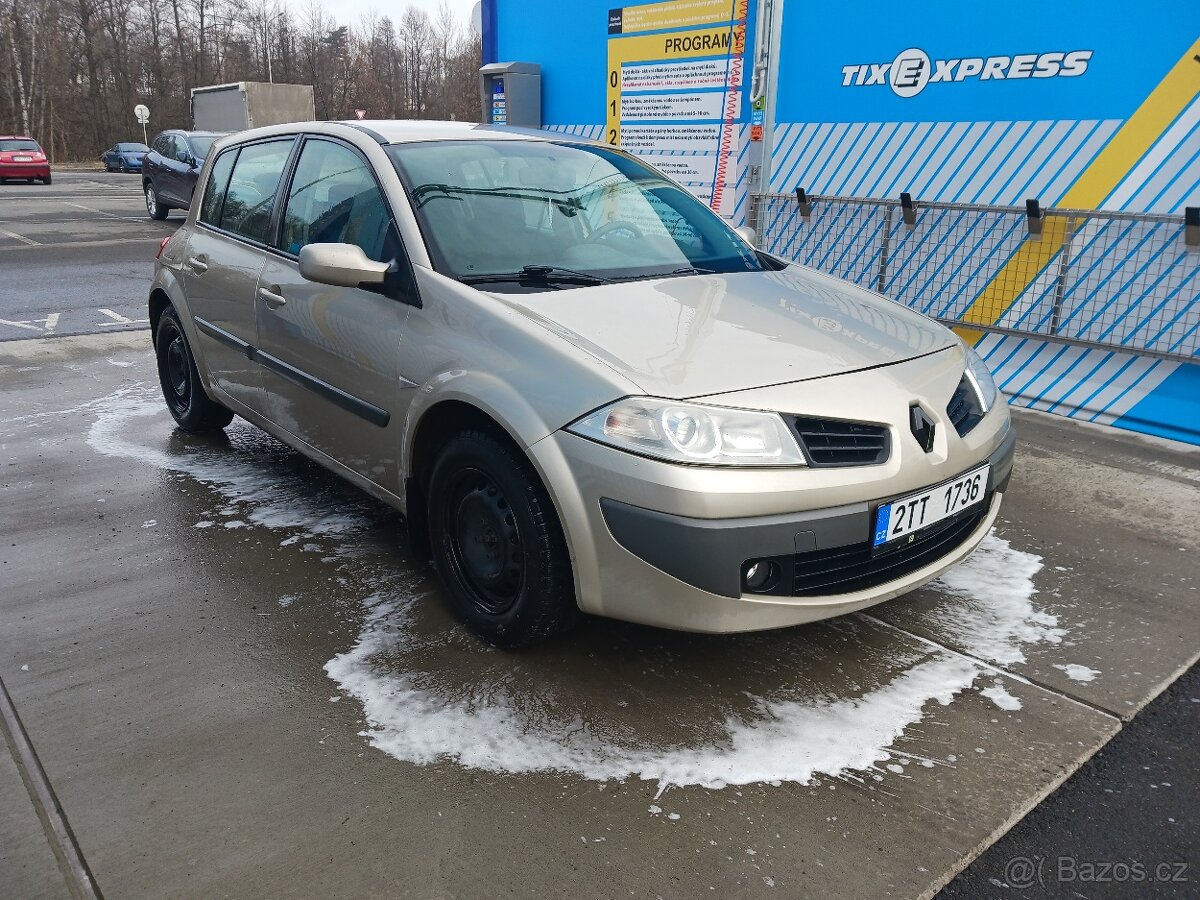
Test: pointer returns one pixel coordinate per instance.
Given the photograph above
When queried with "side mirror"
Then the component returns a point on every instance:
(746, 233)
(183, 156)
(343, 265)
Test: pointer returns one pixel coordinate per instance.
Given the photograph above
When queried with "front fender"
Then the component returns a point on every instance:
(484, 391)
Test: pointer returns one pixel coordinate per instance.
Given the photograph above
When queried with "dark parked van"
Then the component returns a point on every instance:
(170, 169)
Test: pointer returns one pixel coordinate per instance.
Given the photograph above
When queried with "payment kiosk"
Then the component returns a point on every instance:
(511, 94)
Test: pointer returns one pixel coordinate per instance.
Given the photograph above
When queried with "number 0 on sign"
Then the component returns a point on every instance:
(900, 518)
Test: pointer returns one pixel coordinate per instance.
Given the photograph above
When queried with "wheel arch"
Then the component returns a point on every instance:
(435, 427)
(159, 301)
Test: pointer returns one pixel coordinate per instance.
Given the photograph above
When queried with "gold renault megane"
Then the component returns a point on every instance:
(585, 391)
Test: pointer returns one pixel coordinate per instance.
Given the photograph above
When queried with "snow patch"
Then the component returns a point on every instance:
(995, 618)
(1077, 672)
(784, 732)
(1001, 697)
(786, 740)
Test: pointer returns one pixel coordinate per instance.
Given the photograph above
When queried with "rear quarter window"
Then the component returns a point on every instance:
(215, 187)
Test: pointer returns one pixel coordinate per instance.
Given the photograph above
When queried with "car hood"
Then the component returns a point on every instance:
(694, 336)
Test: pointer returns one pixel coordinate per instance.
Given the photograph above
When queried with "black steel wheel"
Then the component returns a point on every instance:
(497, 542)
(484, 541)
(192, 408)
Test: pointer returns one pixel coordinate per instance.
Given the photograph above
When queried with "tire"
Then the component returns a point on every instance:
(47, 180)
(156, 209)
(193, 410)
(497, 543)
(122, 168)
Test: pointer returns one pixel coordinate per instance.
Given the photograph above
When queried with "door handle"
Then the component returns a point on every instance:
(272, 297)
(198, 264)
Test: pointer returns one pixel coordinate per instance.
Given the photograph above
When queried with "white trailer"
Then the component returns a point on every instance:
(250, 104)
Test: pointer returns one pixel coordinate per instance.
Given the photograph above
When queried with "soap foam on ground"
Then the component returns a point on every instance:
(783, 738)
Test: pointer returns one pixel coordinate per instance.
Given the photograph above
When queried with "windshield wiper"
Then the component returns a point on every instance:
(544, 274)
(689, 270)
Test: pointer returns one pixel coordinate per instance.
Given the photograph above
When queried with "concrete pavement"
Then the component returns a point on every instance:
(240, 685)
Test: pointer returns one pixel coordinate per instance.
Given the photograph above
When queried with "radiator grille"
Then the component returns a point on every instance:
(831, 442)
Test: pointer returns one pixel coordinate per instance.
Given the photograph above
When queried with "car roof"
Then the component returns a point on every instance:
(400, 131)
(16, 137)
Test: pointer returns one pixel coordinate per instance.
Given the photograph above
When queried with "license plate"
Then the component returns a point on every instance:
(900, 518)
(22, 159)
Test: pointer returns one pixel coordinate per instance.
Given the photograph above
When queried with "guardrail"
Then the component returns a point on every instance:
(1113, 280)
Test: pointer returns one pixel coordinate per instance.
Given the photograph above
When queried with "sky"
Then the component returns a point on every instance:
(348, 12)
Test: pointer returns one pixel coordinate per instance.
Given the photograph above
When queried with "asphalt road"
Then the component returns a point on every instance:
(76, 256)
(237, 682)
(1124, 825)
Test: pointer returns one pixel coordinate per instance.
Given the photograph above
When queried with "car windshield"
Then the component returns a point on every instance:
(132, 148)
(10, 145)
(201, 145)
(569, 211)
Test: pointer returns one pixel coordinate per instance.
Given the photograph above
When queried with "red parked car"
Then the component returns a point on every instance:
(21, 157)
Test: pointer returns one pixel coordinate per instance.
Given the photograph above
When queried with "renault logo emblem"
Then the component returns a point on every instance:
(922, 426)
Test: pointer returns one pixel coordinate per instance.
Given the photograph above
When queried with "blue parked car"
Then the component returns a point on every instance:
(124, 157)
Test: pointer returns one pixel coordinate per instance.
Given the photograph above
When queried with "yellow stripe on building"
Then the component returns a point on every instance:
(1139, 133)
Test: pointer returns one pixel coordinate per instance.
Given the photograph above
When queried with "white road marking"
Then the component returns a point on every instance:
(18, 237)
(101, 212)
(12, 324)
(52, 321)
(118, 319)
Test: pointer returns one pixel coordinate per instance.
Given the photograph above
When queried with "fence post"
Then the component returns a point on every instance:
(1064, 268)
(883, 253)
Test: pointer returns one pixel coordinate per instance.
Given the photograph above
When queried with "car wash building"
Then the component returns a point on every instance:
(1027, 173)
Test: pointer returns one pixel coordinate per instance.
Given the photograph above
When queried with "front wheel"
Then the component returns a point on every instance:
(192, 409)
(154, 207)
(497, 543)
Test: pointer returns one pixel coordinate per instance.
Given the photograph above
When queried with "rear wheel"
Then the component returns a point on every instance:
(497, 543)
(157, 209)
(47, 180)
(192, 409)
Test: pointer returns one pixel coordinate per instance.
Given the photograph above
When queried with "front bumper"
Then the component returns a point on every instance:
(709, 554)
(665, 544)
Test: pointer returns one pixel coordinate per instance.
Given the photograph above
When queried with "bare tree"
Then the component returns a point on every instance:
(71, 71)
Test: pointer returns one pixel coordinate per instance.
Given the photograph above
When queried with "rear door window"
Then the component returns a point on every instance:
(253, 183)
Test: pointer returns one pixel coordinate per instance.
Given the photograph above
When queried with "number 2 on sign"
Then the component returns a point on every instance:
(911, 509)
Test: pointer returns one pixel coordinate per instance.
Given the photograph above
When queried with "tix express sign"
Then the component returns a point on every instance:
(913, 70)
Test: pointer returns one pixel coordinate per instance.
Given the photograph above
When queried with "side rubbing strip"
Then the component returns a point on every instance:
(337, 396)
(225, 337)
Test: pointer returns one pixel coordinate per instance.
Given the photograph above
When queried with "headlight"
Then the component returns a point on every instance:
(687, 433)
(981, 379)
